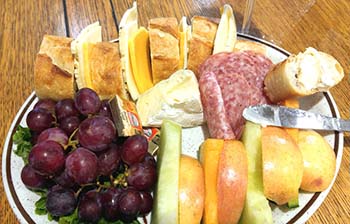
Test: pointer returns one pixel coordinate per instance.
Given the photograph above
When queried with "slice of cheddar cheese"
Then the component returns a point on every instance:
(185, 31)
(86, 78)
(140, 59)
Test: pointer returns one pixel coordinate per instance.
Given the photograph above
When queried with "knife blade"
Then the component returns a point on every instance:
(282, 116)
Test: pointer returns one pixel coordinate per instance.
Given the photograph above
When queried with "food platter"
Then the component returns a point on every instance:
(22, 200)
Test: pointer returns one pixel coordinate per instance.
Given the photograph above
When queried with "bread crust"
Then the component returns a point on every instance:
(50, 81)
(279, 85)
(105, 70)
(54, 68)
(245, 45)
(164, 47)
(284, 80)
(202, 41)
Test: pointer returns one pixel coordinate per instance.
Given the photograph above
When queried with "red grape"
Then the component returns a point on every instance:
(90, 207)
(109, 160)
(129, 205)
(69, 124)
(47, 158)
(39, 119)
(65, 108)
(65, 180)
(149, 159)
(60, 201)
(46, 104)
(96, 133)
(146, 202)
(54, 134)
(31, 179)
(105, 110)
(109, 200)
(142, 176)
(87, 101)
(81, 165)
(134, 149)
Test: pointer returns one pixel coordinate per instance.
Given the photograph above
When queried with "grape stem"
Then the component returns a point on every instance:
(71, 142)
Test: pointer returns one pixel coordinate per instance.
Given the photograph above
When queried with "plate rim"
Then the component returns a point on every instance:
(302, 216)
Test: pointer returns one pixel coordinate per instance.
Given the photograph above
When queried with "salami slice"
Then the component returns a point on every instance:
(237, 95)
(251, 65)
(238, 78)
(214, 107)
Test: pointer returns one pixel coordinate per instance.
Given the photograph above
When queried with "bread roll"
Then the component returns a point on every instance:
(303, 74)
(164, 47)
(245, 45)
(201, 42)
(54, 68)
(104, 70)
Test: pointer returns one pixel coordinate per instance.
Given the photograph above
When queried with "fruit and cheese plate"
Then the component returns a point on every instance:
(154, 131)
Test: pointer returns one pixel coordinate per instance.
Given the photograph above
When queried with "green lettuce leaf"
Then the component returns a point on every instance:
(22, 139)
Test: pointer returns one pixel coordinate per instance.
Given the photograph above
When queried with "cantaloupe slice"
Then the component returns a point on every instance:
(209, 156)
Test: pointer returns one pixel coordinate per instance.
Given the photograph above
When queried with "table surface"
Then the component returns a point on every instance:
(292, 25)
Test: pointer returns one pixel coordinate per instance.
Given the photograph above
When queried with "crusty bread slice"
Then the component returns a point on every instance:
(245, 45)
(303, 74)
(54, 69)
(201, 42)
(104, 70)
(164, 47)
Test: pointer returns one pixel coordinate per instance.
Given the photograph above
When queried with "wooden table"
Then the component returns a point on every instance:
(293, 25)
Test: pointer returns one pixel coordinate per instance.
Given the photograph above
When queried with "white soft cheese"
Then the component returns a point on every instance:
(176, 98)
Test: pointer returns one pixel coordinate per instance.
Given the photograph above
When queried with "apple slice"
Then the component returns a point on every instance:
(232, 181)
(256, 208)
(191, 190)
(209, 156)
(166, 194)
(319, 161)
(282, 165)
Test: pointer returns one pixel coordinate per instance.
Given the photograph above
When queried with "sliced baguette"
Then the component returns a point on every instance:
(104, 70)
(245, 45)
(164, 47)
(54, 69)
(201, 42)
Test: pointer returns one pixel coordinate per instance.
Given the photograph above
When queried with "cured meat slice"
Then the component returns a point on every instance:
(240, 77)
(237, 95)
(214, 107)
(251, 65)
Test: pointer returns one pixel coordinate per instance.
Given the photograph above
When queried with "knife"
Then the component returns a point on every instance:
(282, 116)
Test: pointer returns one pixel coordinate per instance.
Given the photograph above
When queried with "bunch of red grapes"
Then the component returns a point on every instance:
(79, 158)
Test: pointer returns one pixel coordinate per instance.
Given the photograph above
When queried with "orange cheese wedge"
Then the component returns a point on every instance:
(140, 59)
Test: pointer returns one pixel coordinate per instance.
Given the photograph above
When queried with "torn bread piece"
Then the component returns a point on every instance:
(303, 74)
(201, 42)
(164, 47)
(54, 69)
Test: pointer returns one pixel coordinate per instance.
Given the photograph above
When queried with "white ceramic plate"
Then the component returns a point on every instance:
(22, 200)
